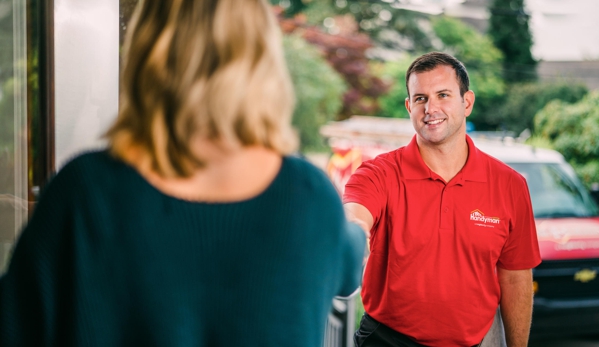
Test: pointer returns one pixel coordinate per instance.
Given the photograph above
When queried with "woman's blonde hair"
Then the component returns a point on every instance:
(208, 68)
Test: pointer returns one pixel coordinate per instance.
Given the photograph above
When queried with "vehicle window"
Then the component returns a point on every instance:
(555, 191)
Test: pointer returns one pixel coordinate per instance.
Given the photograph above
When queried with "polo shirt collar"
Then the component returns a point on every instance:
(413, 166)
(476, 165)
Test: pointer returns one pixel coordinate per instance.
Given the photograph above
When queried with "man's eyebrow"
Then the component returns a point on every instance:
(446, 90)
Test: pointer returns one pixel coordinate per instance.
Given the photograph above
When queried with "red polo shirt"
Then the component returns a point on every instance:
(435, 246)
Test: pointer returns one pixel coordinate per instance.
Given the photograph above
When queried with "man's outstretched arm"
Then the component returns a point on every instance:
(516, 305)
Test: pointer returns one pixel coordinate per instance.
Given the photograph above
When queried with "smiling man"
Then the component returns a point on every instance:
(452, 233)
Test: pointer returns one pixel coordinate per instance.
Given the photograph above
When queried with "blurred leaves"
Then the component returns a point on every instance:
(318, 88)
(387, 26)
(524, 100)
(394, 72)
(482, 60)
(345, 51)
(572, 130)
(477, 52)
(508, 26)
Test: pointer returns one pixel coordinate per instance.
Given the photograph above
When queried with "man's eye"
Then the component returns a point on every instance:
(419, 99)
(443, 95)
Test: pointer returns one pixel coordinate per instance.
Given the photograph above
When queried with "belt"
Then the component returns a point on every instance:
(404, 340)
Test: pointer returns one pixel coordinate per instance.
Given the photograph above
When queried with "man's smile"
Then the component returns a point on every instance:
(434, 121)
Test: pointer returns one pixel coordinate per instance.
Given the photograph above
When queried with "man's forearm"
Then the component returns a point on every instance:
(516, 305)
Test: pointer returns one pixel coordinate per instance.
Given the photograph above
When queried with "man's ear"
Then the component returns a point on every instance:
(469, 101)
(407, 103)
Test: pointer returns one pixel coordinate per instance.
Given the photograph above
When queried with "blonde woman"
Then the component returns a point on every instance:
(195, 227)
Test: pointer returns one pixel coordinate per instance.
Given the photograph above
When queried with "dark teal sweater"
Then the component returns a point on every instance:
(108, 260)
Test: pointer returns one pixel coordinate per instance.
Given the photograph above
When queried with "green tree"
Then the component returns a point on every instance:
(291, 7)
(478, 54)
(388, 27)
(394, 72)
(318, 88)
(483, 62)
(346, 52)
(508, 26)
(524, 100)
(572, 130)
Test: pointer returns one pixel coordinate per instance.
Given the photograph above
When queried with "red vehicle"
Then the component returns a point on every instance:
(566, 284)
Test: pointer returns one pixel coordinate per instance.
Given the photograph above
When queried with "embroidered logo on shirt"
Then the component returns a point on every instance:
(478, 216)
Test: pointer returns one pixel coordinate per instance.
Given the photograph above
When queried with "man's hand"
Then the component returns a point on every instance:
(360, 215)
(516, 305)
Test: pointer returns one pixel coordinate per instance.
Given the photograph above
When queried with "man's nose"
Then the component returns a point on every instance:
(431, 106)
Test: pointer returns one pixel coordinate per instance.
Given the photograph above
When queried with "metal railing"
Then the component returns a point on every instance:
(341, 323)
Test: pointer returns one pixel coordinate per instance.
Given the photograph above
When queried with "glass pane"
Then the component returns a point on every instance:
(126, 8)
(13, 120)
(555, 193)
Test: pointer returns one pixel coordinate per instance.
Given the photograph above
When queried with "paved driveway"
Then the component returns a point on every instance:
(566, 342)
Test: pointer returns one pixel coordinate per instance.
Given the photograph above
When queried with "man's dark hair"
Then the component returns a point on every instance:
(430, 61)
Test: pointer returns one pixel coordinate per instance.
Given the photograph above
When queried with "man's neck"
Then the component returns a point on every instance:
(446, 159)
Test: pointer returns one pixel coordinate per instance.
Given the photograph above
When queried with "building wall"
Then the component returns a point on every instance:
(564, 30)
(583, 71)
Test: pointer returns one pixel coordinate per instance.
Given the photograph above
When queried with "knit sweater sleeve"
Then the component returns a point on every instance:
(350, 239)
(30, 302)
(353, 254)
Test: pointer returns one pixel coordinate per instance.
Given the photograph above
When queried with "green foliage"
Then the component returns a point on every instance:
(318, 88)
(7, 91)
(508, 26)
(524, 100)
(291, 7)
(7, 115)
(482, 60)
(476, 51)
(389, 27)
(345, 49)
(393, 103)
(588, 172)
(572, 130)
(318, 10)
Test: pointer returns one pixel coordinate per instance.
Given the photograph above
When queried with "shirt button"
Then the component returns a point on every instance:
(446, 209)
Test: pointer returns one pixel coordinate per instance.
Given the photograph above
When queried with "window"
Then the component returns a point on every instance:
(26, 150)
(13, 123)
(555, 191)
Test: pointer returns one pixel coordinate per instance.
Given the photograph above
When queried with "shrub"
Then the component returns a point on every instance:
(572, 130)
(523, 101)
(318, 88)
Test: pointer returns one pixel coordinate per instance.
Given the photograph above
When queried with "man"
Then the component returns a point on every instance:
(452, 233)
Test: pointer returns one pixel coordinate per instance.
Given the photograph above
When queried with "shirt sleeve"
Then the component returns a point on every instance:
(521, 250)
(353, 255)
(367, 187)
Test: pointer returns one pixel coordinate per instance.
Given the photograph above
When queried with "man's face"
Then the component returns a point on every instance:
(437, 110)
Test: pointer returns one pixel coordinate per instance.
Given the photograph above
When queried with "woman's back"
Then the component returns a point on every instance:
(126, 264)
(121, 251)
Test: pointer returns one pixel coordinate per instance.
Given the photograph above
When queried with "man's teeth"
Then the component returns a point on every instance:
(433, 122)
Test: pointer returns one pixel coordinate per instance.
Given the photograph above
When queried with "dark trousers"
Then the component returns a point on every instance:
(374, 334)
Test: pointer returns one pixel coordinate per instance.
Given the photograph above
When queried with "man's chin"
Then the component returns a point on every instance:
(433, 139)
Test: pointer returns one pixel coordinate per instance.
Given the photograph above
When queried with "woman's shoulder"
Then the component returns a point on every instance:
(305, 179)
(90, 170)
(93, 159)
(303, 171)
